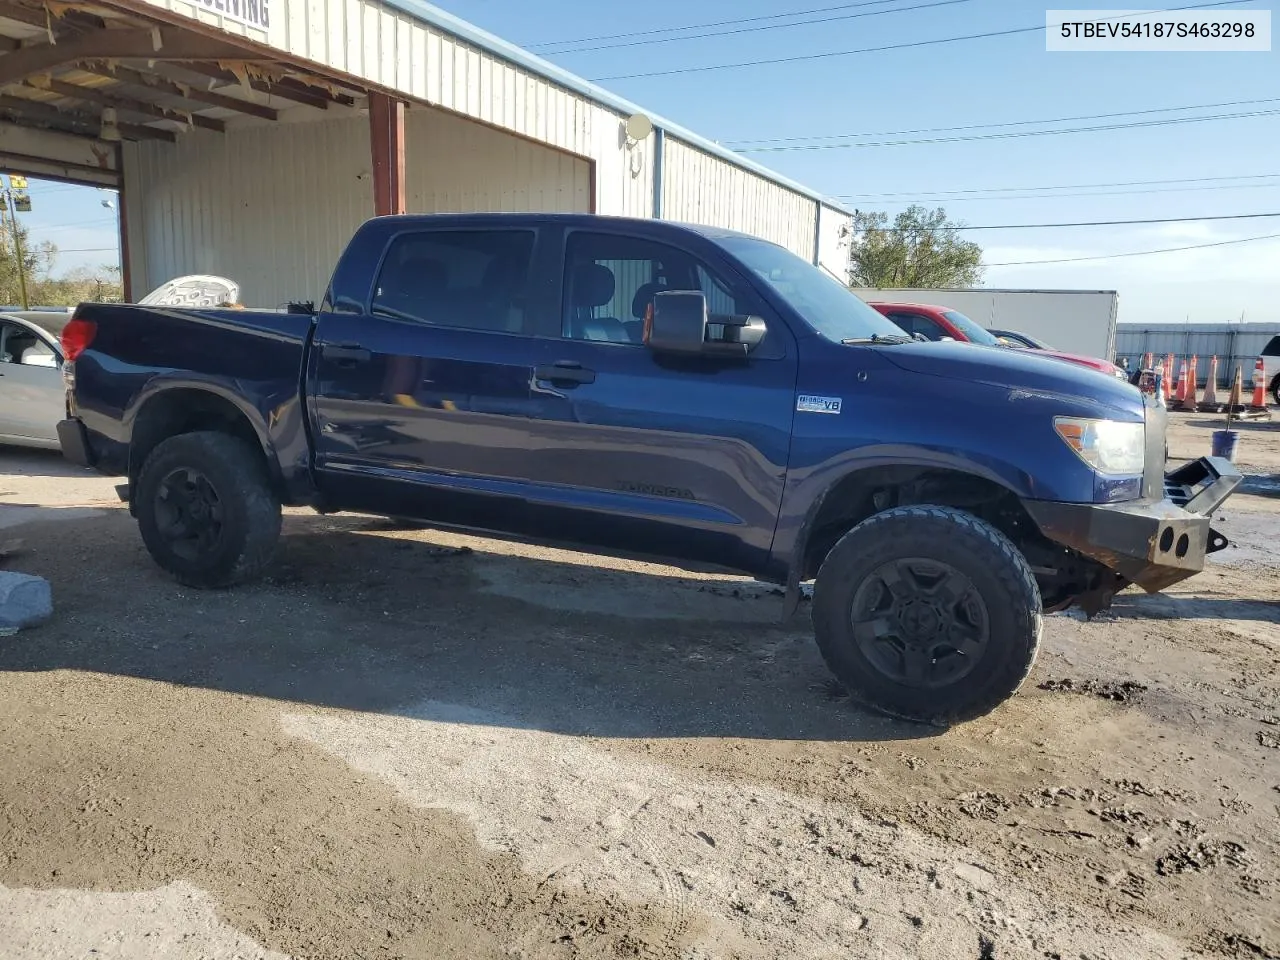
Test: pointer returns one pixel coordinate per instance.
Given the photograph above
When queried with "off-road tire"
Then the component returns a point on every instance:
(250, 509)
(998, 573)
(1275, 390)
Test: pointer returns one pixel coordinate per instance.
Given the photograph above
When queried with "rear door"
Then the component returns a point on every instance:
(685, 457)
(420, 403)
(32, 395)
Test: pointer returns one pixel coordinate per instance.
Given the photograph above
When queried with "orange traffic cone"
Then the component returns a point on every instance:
(1235, 399)
(1180, 394)
(1210, 402)
(1188, 401)
(1166, 385)
(1258, 407)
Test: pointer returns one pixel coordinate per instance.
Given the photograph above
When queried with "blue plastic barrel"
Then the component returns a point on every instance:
(1224, 444)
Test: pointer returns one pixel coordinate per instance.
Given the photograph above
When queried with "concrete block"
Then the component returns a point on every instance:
(24, 601)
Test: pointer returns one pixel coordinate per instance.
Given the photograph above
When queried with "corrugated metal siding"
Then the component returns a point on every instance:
(273, 206)
(269, 206)
(456, 165)
(1233, 344)
(700, 188)
(369, 40)
(833, 249)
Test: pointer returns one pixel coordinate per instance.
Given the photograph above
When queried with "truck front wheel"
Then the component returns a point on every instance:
(928, 613)
(206, 510)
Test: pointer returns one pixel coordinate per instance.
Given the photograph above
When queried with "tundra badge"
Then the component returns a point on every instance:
(806, 404)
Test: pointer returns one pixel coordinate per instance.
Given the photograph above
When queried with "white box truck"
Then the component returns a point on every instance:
(1073, 321)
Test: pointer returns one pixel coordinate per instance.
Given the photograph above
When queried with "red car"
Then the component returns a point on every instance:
(935, 323)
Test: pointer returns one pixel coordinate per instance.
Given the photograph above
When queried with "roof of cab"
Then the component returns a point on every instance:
(586, 220)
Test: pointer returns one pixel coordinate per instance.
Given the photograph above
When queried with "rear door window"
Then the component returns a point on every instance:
(1272, 349)
(471, 279)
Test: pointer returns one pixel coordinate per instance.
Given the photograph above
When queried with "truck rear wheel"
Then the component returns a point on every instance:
(206, 510)
(928, 613)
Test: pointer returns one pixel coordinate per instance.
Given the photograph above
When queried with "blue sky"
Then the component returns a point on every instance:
(74, 219)
(997, 80)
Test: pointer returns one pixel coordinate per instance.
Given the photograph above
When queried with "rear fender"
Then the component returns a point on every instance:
(166, 384)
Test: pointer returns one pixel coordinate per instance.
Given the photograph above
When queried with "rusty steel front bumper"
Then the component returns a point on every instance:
(1153, 543)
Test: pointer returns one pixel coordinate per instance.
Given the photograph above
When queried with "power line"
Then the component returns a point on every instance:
(1097, 193)
(742, 144)
(1020, 134)
(908, 45)
(1119, 223)
(712, 23)
(68, 226)
(1063, 186)
(756, 29)
(1135, 253)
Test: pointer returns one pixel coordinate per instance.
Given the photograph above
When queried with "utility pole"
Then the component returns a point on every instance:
(16, 198)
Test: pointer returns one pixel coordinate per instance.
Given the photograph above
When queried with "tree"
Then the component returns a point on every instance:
(36, 257)
(43, 288)
(78, 285)
(921, 249)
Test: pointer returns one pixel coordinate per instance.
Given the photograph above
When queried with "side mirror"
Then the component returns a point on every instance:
(679, 323)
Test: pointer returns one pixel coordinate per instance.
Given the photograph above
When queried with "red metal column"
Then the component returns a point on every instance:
(386, 140)
(126, 276)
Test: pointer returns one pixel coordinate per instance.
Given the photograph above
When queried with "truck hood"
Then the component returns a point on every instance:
(1016, 369)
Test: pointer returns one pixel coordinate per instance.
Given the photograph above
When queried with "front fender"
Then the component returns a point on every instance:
(809, 490)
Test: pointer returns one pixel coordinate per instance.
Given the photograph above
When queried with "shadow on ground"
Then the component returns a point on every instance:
(358, 616)
(1163, 606)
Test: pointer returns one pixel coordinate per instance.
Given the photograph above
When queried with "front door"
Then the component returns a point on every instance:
(419, 405)
(685, 458)
(32, 394)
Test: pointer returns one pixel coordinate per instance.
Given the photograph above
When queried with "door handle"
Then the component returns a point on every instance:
(345, 352)
(565, 371)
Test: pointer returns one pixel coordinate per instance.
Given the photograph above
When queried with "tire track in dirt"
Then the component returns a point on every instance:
(767, 874)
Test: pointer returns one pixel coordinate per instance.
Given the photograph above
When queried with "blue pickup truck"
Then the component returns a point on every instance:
(684, 392)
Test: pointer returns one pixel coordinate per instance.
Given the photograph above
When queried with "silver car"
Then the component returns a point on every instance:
(32, 398)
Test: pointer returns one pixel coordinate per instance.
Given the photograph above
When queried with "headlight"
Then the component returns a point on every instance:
(1108, 446)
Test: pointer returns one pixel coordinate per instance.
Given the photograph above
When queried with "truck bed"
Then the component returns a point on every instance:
(251, 357)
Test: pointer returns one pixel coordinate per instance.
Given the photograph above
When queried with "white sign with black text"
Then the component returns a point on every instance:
(255, 14)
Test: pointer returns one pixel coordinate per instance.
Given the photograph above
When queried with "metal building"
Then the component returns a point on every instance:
(250, 137)
(1234, 344)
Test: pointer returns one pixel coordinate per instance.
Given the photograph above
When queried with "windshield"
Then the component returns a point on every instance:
(824, 302)
(972, 331)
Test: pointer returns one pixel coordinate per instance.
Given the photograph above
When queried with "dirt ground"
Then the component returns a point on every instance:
(410, 743)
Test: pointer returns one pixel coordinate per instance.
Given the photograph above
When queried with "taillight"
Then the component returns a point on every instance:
(76, 337)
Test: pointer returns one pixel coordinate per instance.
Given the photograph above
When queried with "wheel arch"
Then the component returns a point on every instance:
(865, 490)
(169, 409)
